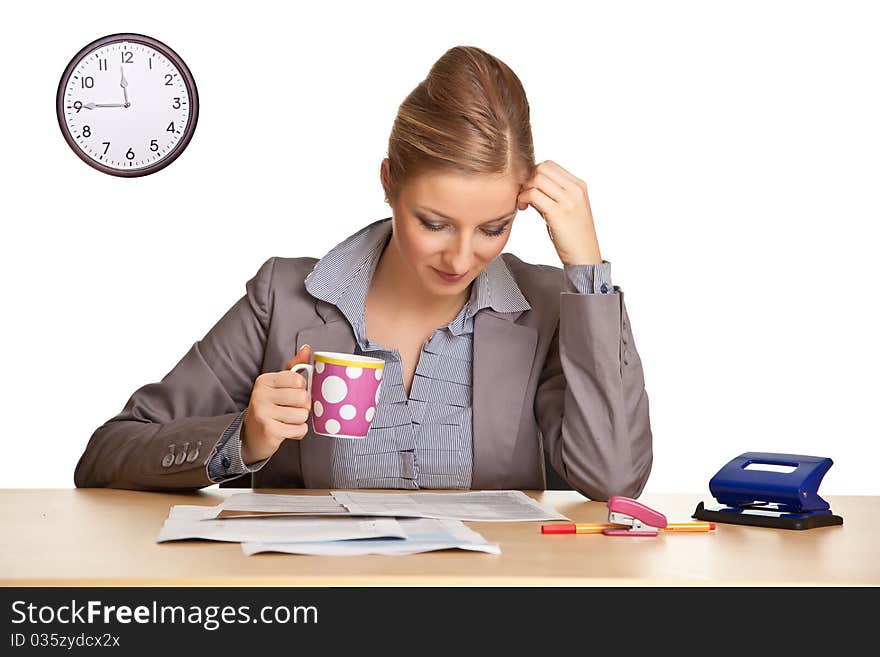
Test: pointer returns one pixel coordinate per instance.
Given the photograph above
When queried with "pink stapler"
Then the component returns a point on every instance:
(642, 520)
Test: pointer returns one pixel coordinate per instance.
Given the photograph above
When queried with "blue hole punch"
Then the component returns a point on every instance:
(767, 498)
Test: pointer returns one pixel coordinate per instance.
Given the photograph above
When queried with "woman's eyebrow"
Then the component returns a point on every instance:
(440, 214)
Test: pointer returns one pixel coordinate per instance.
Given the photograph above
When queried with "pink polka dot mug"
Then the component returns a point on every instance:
(345, 392)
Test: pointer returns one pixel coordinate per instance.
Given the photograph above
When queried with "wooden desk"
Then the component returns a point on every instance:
(106, 537)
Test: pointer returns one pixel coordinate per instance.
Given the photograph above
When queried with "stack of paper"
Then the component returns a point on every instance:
(345, 523)
(248, 505)
(422, 535)
(479, 506)
(188, 521)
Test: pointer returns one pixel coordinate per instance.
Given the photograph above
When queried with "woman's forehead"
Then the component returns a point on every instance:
(464, 196)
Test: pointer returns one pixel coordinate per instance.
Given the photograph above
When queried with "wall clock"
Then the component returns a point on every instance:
(127, 105)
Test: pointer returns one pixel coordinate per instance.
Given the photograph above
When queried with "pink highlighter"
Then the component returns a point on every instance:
(641, 520)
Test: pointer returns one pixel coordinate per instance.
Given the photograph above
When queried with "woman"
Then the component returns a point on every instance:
(499, 373)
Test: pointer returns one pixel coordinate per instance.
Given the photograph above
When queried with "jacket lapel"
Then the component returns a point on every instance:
(503, 355)
(316, 452)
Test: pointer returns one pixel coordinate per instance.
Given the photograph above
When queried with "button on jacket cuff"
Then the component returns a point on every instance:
(226, 462)
(588, 279)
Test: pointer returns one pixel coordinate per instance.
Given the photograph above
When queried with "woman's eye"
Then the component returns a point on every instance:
(496, 232)
(430, 226)
(490, 233)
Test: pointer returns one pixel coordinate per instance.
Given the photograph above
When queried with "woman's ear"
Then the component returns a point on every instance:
(385, 176)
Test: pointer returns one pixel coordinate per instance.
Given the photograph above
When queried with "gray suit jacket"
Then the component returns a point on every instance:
(562, 379)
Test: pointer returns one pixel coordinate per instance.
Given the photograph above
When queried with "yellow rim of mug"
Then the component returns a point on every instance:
(350, 363)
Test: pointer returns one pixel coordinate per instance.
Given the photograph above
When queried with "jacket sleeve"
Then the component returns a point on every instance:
(167, 432)
(591, 404)
(226, 462)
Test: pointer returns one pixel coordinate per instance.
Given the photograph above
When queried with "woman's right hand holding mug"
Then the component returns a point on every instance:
(278, 410)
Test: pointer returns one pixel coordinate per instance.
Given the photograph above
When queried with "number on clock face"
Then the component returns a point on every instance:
(126, 105)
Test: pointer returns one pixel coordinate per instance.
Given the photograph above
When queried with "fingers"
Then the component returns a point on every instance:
(549, 186)
(270, 424)
(289, 414)
(559, 174)
(294, 431)
(555, 181)
(296, 397)
(539, 200)
(283, 379)
(295, 360)
(304, 355)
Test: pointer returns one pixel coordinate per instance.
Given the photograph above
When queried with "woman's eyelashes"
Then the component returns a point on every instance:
(490, 233)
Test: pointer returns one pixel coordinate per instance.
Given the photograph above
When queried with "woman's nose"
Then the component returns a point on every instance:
(459, 258)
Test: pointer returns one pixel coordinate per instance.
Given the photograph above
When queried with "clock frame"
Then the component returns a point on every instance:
(62, 100)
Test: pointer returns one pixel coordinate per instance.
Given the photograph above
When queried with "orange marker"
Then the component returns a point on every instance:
(689, 527)
(598, 528)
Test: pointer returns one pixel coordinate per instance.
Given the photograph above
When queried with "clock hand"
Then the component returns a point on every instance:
(124, 84)
(94, 105)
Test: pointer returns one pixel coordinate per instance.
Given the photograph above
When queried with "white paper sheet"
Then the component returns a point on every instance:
(423, 535)
(243, 505)
(189, 521)
(482, 506)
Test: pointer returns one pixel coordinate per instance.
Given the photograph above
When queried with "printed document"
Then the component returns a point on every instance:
(422, 535)
(243, 505)
(190, 521)
(482, 506)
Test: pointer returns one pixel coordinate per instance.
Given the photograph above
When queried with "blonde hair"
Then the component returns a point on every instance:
(469, 115)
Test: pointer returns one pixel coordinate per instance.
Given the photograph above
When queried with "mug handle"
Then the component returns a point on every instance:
(310, 368)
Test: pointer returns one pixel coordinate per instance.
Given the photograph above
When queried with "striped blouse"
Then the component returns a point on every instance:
(423, 440)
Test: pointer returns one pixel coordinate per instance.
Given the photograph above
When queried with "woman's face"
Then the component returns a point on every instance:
(453, 223)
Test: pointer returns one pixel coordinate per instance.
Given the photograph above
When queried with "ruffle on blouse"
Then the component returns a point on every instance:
(422, 442)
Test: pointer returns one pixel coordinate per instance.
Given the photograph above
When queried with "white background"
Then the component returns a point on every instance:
(731, 153)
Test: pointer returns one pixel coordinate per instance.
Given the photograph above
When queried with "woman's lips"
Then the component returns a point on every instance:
(448, 277)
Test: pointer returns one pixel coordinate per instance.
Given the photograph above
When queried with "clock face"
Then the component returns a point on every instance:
(127, 105)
